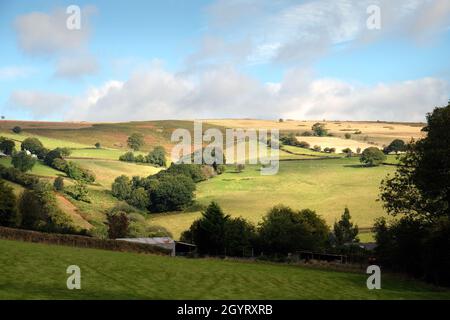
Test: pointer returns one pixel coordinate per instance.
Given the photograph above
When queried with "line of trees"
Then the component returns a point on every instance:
(281, 231)
(156, 157)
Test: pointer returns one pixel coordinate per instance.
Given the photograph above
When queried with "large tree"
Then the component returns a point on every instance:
(420, 187)
(23, 161)
(135, 141)
(344, 231)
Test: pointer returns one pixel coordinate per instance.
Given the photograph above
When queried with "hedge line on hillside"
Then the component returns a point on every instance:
(79, 241)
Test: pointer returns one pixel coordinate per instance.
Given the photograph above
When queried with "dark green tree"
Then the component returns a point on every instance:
(7, 146)
(118, 225)
(8, 209)
(17, 129)
(344, 230)
(372, 156)
(58, 184)
(23, 161)
(396, 146)
(121, 187)
(34, 145)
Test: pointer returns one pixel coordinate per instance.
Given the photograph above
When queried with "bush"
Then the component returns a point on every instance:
(317, 148)
(74, 171)
(303, 144)
(240, 167)
(98, 145)
(347, 135)
(193, 171)
(7, 146)
(58, 184)
(348, 152)
(17, 129)
(127, 156)
(23, 161)
(372, 156)
(157, 157)
(8, 209)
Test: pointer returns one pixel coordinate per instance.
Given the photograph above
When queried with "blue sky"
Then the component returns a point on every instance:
(139, 60)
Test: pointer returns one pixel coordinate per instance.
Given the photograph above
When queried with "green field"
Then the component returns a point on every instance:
(327, 186)
(40, 273)
(39, 169)
(48, 142)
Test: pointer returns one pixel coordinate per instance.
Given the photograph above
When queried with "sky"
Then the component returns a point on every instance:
(266, 59)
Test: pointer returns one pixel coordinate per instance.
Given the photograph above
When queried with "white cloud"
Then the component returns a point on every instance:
(291, 32)
(46, 35)
(155, 93)
(76, 66)
(39, 104)
(14, 72)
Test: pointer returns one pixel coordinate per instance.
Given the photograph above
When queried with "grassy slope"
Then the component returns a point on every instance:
(40, 273)
(327, 186)
(39, 169)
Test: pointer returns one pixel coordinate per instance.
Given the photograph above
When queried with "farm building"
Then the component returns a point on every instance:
(177, 247)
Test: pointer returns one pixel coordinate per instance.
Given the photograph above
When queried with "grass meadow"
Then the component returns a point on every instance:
(40, 273)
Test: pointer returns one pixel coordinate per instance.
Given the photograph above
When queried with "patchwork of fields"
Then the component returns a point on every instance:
(305, 178)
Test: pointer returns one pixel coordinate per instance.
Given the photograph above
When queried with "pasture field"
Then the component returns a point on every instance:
(40, 273)
(334, 142)
(107, 170)
(327, 186)
(39, 169)
(50, 143)
(93, 153)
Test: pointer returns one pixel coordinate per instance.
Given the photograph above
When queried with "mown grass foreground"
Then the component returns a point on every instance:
(38, 271)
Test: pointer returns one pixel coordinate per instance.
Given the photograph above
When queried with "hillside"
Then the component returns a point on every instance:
(40, 273)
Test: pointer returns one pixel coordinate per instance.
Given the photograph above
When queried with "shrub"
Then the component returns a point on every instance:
(98, 145)
(194, 171)
(58, 184)
(8, 209)
(157, 157)
(347, 135)
(16, 176)
(240, 167)
(80, 191)
(121, 188)
(127, 156)
(74, 171)
(317, 148)
(348, 152)
(17, 129)
(307, 134)
(303, 144)
(23, 161)
(372, 156)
